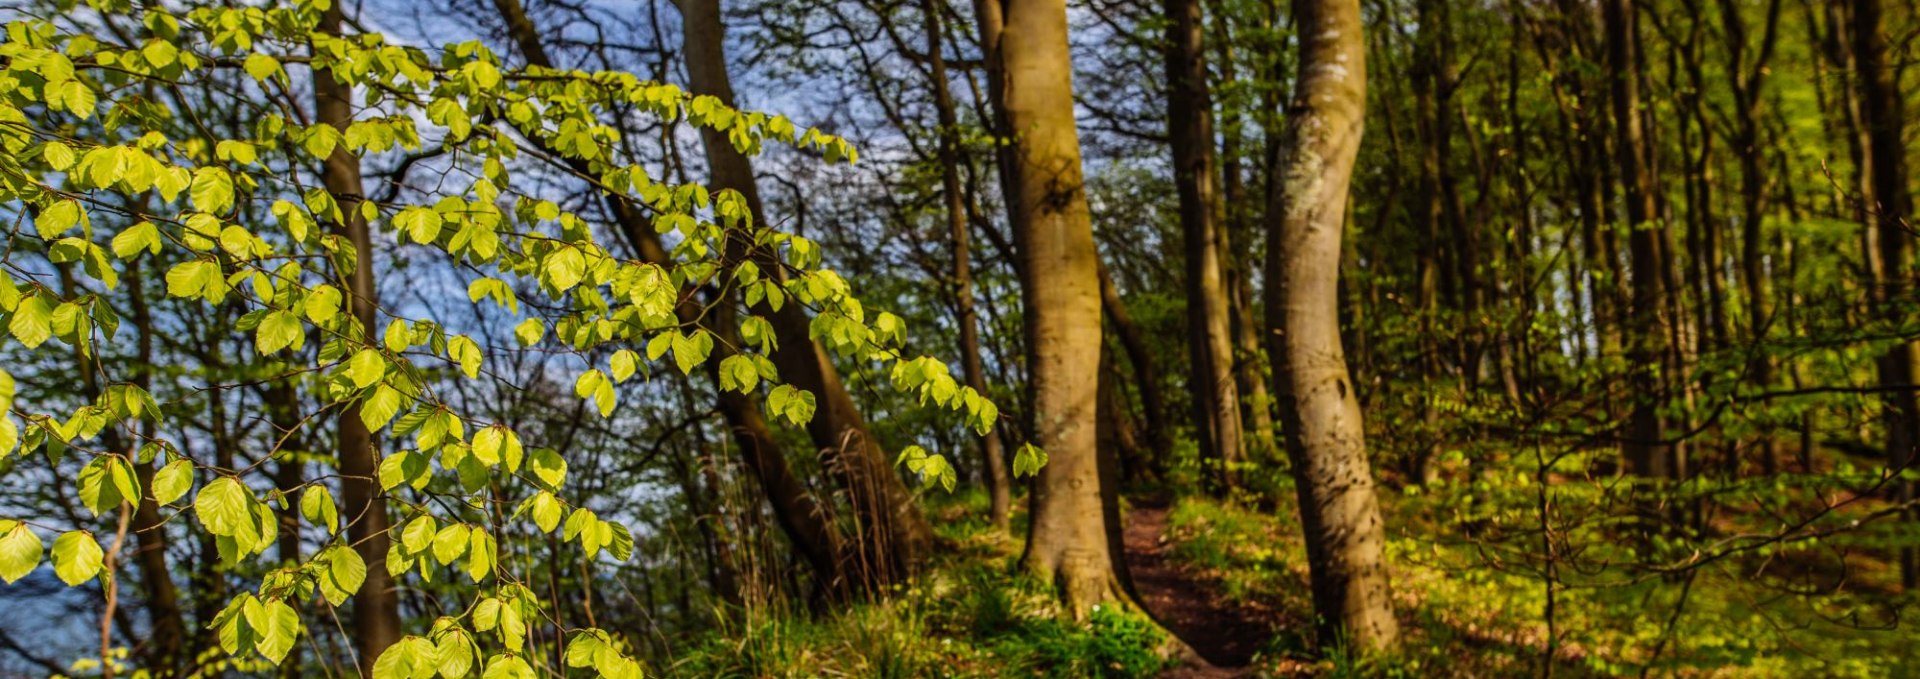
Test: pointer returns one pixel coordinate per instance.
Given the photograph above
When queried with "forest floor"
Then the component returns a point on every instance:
(1221, 635)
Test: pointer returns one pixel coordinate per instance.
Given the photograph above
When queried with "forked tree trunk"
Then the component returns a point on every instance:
(376, 608)
(1319, 414)
(1069, 544)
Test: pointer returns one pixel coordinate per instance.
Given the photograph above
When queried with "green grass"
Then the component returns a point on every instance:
(1465, 613)
(969, 615)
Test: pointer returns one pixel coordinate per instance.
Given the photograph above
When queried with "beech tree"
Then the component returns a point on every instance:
(1053, 231)
(107, 180)
(1319, 414)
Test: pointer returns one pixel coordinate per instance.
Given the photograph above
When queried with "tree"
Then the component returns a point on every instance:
(993, 455)
(901, 536)
(1216, 394)
(1319, 415)
(376, 607)
(1060, 283)
(1889, 206)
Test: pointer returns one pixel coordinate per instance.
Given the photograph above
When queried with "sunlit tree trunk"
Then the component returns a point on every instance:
(1068, 545)
(376, 608)
(1319, 414)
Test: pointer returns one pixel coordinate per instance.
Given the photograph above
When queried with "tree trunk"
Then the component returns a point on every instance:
(167, 624)
(993, 456)
(1068, 545)
(1256, 406)
(1748, 85)
(1645, 327)
(1145, 372)
(1319, 414)
(902, 537)
(800, 516)
(1885, 155)
(376, 608)
(1216, 396)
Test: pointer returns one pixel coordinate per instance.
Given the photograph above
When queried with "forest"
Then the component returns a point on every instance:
(915, 338)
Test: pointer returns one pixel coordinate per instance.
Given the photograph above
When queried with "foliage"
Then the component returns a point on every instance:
(117, 190)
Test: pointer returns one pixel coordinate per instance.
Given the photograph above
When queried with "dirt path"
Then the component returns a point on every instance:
(1186, 603)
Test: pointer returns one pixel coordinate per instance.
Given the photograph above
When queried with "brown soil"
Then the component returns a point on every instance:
(1222, 635)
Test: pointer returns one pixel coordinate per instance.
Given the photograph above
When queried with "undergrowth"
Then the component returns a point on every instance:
(1464, 614)
(969, 615)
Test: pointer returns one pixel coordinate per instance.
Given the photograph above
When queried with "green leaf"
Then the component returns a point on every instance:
(57, 218)
(346, 571)
(32, 322)
(794, 404)
(377, 410)
(622, 364)
(160, 53)
(398, 336)
(317, 505)
(142, 236)
(20, 552)
(689, 351)
(450, 543)
(261, 66)
(422, 224)
(529, 332)
(548, 467)
(480, 555)
(455, 651)
(279, 330)
(594, 384)
(76, 557)
(466, 352)
(366, 368)
(224, 506)
(279, 628)
(738, 373)
(323, 304)
(418, 536)
(508, 667)
(172, 481)
(546, 511)
(212, 190)
(564, 267)
(1028, 460)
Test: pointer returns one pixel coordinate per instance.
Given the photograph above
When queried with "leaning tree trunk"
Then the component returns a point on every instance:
(800, 516)
(899, 533)
(376, 608)
(1319, 414)
(1216, 396)
(1060, 282)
